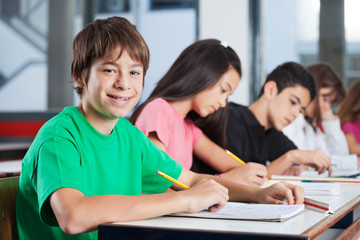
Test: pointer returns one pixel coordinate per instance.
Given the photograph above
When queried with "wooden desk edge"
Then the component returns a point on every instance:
(330, 220)
(352, 232)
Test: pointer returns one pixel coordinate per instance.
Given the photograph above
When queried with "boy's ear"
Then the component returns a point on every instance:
(79, 81)
(270, 89)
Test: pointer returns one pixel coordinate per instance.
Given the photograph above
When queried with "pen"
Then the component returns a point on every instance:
(239, 160)
(172, 179)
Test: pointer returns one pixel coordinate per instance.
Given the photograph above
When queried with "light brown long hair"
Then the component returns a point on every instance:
(325, 77)
(349, 110)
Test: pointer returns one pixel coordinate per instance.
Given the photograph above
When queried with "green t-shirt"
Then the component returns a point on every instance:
(69, 152)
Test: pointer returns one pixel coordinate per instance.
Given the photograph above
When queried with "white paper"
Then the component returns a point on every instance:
(245, 211)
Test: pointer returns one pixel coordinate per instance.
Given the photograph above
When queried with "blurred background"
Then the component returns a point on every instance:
(36, 41)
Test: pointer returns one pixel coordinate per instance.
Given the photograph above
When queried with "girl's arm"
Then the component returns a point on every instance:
(216, 157)
(354, 147)
(275, 194)
(155, 139)
(213, 155)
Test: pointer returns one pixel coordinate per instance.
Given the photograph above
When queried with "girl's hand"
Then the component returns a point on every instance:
(327, 115)
(250, 174)
(278, 192)
(206, 194)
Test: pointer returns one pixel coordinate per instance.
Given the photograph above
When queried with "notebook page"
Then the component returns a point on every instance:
(245, 211)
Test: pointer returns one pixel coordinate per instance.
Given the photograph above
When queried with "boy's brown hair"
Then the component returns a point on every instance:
(100, 38)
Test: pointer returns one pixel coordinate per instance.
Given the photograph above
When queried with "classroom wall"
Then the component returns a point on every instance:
(27, 67)
(229, 21)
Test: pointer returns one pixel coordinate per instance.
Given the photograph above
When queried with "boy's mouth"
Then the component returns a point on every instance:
(119, 98)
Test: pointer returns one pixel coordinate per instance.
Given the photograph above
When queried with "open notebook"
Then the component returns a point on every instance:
(247, 211)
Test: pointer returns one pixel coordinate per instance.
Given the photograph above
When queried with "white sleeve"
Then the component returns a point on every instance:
(295, 132)
(335, 138)
(344, 162)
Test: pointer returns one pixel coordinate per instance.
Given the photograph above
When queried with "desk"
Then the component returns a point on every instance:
(306, 225)
(10, 168)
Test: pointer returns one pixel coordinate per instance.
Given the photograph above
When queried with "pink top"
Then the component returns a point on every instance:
(353, 128)
(178, 134)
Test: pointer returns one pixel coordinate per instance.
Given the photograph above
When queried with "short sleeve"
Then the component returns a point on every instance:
(196, 132)
(278, 144)
(153, 160)
(348, 127)
(58, 166)
(151, 119)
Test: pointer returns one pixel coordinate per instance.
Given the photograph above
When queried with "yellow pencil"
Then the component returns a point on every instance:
(171, 179)
(239, 160)
(235, 157)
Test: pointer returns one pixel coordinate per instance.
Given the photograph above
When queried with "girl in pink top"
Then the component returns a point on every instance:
(349, 114)
(193, 93)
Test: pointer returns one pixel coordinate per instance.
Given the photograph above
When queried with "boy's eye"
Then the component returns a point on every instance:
(292, 102)
(134, 73)
(109, 70)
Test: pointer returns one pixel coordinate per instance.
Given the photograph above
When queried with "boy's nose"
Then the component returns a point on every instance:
(122, 83)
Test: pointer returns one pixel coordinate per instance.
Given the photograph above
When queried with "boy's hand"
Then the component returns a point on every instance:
(294, 170)
(278, 192)
(206, 194)
(250, 174)
(316, 159)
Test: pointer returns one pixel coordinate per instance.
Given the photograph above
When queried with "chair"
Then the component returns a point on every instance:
(8, 192)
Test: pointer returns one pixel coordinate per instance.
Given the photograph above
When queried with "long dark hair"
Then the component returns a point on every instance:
(199, 67)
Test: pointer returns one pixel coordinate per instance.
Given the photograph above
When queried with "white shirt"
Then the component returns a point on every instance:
(332, 141)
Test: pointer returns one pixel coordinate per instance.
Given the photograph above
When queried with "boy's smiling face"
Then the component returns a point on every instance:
(286, 106)
(113, 89)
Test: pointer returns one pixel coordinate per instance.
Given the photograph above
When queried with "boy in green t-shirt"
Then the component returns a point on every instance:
(88, 165)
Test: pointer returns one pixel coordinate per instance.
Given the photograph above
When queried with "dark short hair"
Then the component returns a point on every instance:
(291, 74)
(100, 38)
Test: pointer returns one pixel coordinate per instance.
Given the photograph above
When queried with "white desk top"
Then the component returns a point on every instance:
(10, 166)
(297, 225)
